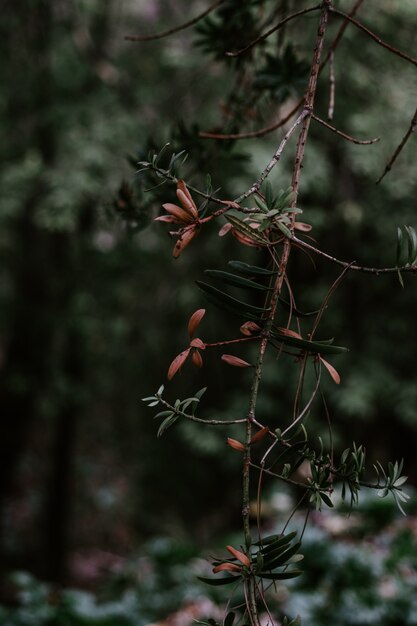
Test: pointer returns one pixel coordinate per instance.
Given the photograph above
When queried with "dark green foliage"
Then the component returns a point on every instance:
(282, 75)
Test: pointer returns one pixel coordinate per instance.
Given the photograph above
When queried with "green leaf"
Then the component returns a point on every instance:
(280, 575)
(224, 301)
(269, 195)
(283, 558)
(283, 229)
(250, 270)
(200, 393)
(246, 230)
(229, 619)
(238, 281)
(412, 244)
(326, 499)
(167, 423)
(276, 542)
(217, 582)
(261, 204)
(315, 347)
(163, 414)
(402, 248)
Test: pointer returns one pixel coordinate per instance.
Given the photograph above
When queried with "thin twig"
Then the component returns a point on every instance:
(193, 418)
(276, 157)
(332, 86)
(340, 34)
(305, 410)
(255, 133)
(269, 129)
(272, 30)
(352, 265)
(375, 37)
(360, 142)
(325, 302)
(171, 31)
(404, 140)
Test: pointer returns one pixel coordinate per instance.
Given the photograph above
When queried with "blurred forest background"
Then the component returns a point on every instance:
(93, 309)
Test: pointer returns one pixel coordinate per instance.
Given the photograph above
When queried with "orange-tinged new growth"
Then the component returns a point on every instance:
(332, 371)
(227, 567)
(240, 556)
(235, 444)
(180, 215)
(289, 333)
(195, 320)
(177, 363)
(197, 359)
(260, 435)
(230, 359)
(184, 239)
(248, 328)
(186, 200)
(302, 227)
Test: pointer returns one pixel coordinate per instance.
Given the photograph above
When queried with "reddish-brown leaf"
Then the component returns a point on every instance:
(302, 226)
(177, 363)
(225, 229)
(235, 444)
(240, 556)
(195, 320)
(332, 371)
(234, 360)
(168, 218)
(227, 567)
(197, 343)
(260, 434)
(184, 239)
(186, 200)
(289, 333)
(182, 216)
(197, 359)
(248, 328)
(243, 239)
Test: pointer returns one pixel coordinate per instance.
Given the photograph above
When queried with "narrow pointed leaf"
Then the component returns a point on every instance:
(250, 270)
(224, 301)
(412, 244)
(167, 423)
(282, 559)
(315, 347)
(217, 582)
(235, 361)
(195, 320)
(276, 539)
(177, 363)
(247, 230)
(238, 281)
(280, 575)
(402, 248)
(235, 444)
(240, 556)
(332, 371)
(227, 567)
(286, 231)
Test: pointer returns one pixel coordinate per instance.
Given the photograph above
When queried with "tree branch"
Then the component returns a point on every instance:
(410, 131)
(171, 31)
(352, 265)
(361, 142)
(375, 37)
